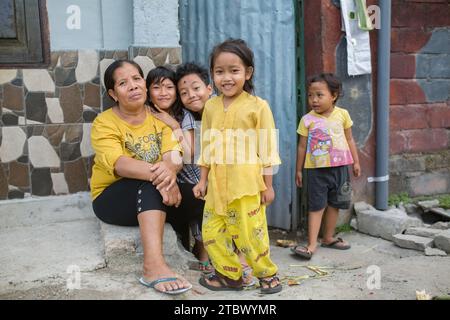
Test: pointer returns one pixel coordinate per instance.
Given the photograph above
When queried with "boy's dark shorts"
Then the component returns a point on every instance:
(329, 186)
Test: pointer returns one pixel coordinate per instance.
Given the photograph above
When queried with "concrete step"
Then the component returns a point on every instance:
(125, 242)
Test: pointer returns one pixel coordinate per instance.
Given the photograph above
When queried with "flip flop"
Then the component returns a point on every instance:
(154, 283)
(205, 267)
(306, 253)
(337, 244)
(223, 286)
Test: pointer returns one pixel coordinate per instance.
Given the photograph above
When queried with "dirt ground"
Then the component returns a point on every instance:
(373, 269)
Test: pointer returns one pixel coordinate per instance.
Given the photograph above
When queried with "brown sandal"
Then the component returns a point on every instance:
(268, 281)
(223, 283)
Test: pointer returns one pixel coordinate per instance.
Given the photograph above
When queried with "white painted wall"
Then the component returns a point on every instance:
(156, 23)
(112, 24)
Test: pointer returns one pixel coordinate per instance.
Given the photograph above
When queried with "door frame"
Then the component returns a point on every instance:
(300, 221)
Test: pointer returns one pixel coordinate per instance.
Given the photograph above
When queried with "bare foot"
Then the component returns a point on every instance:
(165, 272)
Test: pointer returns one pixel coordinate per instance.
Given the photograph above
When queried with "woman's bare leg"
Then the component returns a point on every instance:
(151, 226)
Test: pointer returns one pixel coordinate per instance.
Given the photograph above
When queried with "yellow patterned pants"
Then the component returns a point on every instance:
(244, 226)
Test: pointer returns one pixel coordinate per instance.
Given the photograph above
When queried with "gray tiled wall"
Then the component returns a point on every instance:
(46, 117)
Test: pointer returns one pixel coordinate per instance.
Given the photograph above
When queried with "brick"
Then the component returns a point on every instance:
(408, 40)
(438, 160)
(408, 117)
(428, 183)
(397, 142)
(403, 66)
(435, 90)
(420, 14)
(439, 115)
(438, 43)
(428, 1)
(406, 92)
(399, 164)
(425, 140)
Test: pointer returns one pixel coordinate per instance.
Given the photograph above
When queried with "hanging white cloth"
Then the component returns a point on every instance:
(358, 41)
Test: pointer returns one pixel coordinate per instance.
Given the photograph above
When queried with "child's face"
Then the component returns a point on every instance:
(230, 74)
(194, 92)
(320, 98)
(163, 94)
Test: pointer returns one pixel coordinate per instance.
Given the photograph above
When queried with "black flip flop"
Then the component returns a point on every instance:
(223, 286)
(335, 245)
(307, 254)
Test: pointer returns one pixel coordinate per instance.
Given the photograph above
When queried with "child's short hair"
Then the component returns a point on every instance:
(192, 68)
(240, 48)
(334, 84)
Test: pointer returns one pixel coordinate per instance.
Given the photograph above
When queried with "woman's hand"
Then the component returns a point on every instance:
(200, 190)
(163, 176)
(267, 196)
(171, 197)
(299, 179)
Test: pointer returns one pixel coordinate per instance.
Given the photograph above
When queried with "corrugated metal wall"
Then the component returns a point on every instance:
(269, 29)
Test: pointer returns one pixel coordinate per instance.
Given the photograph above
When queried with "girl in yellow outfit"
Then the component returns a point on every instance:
(238, 151)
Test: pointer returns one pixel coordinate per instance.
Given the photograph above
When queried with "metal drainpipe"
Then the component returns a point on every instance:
(383, 81)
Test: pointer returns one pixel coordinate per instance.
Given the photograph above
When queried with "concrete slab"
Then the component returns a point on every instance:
(34, 253)
(413, 242)
(40, 211)
(126, 241)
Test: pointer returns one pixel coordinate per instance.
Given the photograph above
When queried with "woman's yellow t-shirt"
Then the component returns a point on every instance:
(236, 145)
(112, 137)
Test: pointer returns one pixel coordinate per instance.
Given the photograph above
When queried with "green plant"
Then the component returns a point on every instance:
(444, 201)
(396, 199)
(343, 228)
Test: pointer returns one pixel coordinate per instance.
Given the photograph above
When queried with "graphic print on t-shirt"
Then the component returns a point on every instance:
(146, 148)
(319, 147)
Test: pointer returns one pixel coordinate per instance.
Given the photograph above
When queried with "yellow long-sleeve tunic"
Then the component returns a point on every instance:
(236, 145)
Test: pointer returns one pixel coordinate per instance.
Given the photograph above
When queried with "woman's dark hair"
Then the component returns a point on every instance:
(158, 75)
(108, 78)
(238, 47)
(334, 84)
(192, 68)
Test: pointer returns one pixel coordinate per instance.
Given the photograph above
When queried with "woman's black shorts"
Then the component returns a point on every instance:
(121, 202)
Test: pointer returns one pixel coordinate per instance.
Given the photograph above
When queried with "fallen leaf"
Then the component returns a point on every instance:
(286, 243)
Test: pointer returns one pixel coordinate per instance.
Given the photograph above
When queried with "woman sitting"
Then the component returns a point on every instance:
(135, 168)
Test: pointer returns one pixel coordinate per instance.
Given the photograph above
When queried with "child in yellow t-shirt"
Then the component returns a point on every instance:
(238, 151)
(326, 149)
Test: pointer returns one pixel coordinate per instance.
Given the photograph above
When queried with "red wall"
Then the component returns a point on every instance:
(416, 124)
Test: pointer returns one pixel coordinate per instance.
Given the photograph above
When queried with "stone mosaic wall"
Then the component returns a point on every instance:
(46, 117)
